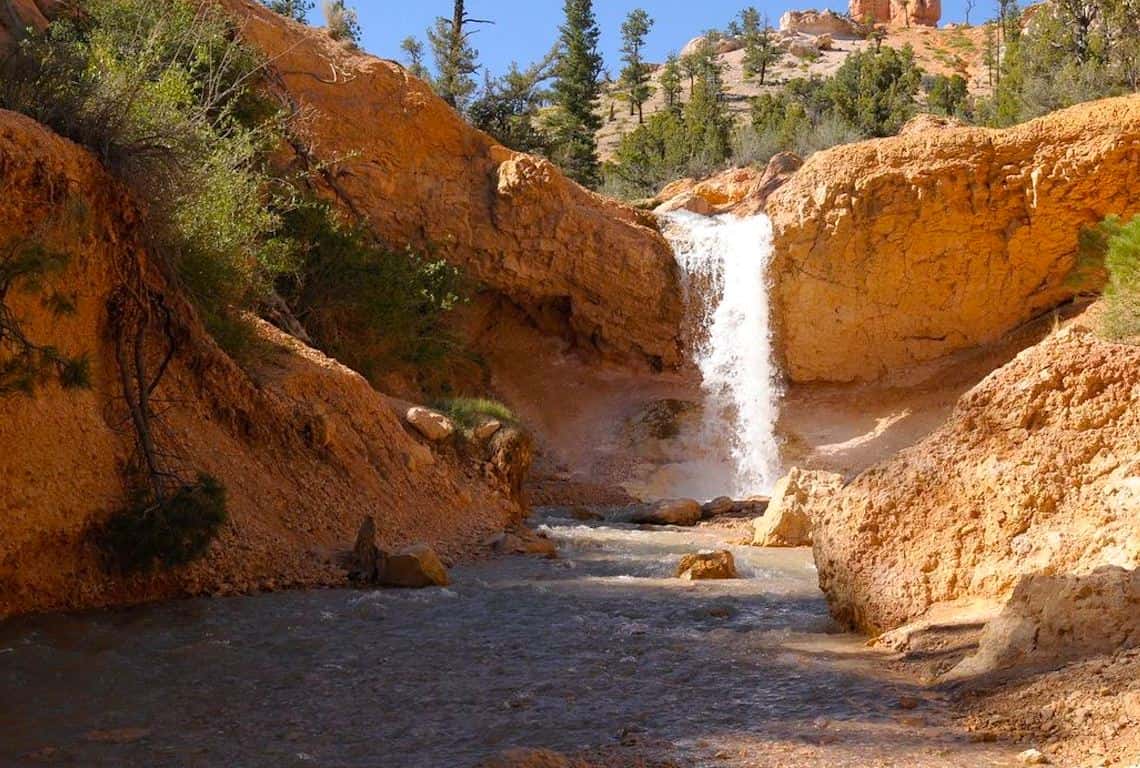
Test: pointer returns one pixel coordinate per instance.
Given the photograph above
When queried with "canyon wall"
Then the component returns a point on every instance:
(305, 447)
(418, 173)
(896, 251)
(1037, 471)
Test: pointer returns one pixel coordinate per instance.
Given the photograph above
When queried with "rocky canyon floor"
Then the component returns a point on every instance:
(599, 652)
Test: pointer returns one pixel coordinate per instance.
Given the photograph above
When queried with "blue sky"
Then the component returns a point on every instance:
(525, 29)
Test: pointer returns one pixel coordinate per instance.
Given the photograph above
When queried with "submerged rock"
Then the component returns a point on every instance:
(787, 522)
(670, 512)
(707, 565)
(431, 424)
(413, 568)
(524, 542)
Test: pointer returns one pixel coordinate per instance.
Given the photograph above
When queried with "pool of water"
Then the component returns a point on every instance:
(596, 648)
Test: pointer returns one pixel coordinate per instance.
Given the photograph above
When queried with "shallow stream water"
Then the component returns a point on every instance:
(598, 648)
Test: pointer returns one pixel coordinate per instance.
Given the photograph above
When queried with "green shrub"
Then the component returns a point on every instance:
(1109, 261)
(26, 265)
(166, 98)
(178, 530)
(366, 304)
(469, 412)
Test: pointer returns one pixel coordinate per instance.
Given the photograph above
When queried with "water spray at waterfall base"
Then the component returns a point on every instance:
(725, 264)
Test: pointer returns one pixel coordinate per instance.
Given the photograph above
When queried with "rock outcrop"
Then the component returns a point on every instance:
(896, 13)
(818, 23)
(1037, 471)
(740, 191)
(590, 268)
(305, 447)
(1051, 619)
(897, 251)
(788, 519)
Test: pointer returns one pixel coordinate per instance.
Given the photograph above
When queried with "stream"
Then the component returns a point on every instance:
(600, 647)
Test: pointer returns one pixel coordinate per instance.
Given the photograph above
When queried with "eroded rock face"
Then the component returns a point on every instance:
(740, 191)
(893, 252)
(419, 174)
(788, 520)
(1058, 618)
(824, 22)
(1037, 470)
(896, 12)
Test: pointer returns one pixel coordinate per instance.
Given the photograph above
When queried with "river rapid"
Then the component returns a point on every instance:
(599, 648)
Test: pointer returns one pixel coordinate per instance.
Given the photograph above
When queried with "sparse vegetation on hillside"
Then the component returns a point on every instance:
(342, 22)
(1068, 52)
(872, 94)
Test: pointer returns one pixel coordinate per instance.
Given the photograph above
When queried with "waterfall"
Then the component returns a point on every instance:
(725, 262)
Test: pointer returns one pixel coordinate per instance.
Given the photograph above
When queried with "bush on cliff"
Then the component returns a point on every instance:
(165, 97)
(395, 300)
(1110, 257)
(166, 533)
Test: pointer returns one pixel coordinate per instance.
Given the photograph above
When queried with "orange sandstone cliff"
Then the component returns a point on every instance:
(897, 251)
(305, 447)
(418, 173)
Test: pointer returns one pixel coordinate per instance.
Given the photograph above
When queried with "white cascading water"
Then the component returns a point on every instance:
(725, 261)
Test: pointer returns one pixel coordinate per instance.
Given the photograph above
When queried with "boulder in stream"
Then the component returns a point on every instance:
(414, 567)
(367, 556)
(669, 512)
(787, 522)
(707, 565)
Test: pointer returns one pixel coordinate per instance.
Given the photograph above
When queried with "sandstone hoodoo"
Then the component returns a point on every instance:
(610, 419)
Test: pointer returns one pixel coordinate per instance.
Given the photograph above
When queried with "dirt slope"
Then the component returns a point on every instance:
(304, 446)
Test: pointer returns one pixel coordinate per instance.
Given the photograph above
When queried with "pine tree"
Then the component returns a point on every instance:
(670, 81)
(414, 50)
(707, 122)
(760, 49)
(576, 90)
(455, 58)
(294, 9)
(635, 75)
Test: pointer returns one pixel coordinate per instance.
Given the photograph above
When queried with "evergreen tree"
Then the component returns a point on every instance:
(760, 49)
(455, 58)
(576, 91)
(294, 9)
(414, 51)
(670, 81)
(948, 95)
(707, 122)
(635, 75)
(874, 91)
(508, 107)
